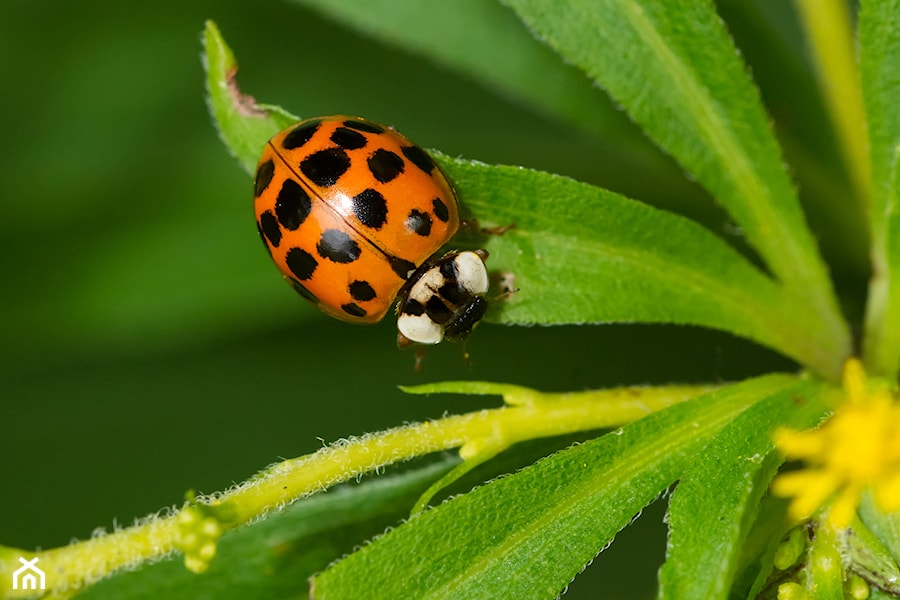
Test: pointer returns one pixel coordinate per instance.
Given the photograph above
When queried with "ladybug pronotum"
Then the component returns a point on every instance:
(353, 215)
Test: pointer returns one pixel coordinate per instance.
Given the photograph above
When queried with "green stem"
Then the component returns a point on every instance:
(825, 569)
(194, 529)
(830, 35)
(882, 339)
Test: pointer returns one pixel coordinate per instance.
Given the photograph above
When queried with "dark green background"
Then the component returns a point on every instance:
(148, 346)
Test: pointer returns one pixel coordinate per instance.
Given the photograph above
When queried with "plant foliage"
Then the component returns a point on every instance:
(582, 254)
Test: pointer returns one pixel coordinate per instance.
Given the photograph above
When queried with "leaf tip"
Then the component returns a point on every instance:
(221, 68)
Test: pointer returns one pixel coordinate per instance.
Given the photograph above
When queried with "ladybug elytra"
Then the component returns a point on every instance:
(353, 215)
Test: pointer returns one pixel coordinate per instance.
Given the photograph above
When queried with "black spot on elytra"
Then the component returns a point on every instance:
(440, 210)
(337, 246)
(413, 307)
(348, 139)
(370, 208)
(300, 135)
(353, 309)
(402, 267)
(269, 229)
(293, 205)
(437, 311)
(419, 222)
(419, 157)
(301, 263)
(264, 175)
(363, 126)
(385, 165)
(361, 290)
(298, 287)
(262, 236)
(325, 167)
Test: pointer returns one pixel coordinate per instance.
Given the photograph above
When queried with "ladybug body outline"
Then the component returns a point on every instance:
(353, 214)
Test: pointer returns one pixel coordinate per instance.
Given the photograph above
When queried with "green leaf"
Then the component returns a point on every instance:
(243, 124)
(487, 43)
(865, 554)
(275, 557)
(771, 43)
(760, 547)
(459, 35)
(829, 35)
(716, 500)
(676, 72)
(879, 23)
(885, 526)
(463, 33)
(529, 534)
(581, 254)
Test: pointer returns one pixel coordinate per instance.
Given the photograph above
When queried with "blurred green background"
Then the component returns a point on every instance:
(149, 347)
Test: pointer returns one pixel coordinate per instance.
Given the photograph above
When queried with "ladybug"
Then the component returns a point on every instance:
(353, 214)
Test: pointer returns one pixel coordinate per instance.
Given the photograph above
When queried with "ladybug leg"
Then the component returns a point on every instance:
(472, 225)
(420, 357)
(405, 342)
(466, 356)
(499, 230)
(505, 295)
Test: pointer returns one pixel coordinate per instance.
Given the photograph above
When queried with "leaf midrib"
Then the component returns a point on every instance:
(699, 284)
(700, 428)
(712, 125)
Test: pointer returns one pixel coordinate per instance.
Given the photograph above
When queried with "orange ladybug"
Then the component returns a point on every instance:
(353, 213)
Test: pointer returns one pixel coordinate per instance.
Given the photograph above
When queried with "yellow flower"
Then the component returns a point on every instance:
(856, 450)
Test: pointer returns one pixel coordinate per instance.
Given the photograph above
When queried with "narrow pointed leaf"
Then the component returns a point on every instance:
(723, 487)
(830, 37)
(868, 556)
(243, 124)
(885, 526)
(675, 70)
(581, 254)
(879, 24)
(463, 33)
(760, 546)
(486, 42)
(527, 535)
(776, 54)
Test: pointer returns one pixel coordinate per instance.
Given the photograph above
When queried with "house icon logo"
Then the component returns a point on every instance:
(28, 576)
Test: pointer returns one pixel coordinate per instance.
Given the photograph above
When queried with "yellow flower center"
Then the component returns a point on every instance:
(858, 448)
